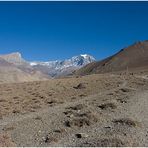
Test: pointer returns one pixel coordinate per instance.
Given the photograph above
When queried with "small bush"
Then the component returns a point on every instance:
(107, 106)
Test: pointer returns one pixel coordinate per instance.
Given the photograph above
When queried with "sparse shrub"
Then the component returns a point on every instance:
(15, 111)
(49, 139)
(107, 106)
(73, 98)
(80, 86)
(77, 107)
(82, 95)
(51, 102)
(81, 119)
(126, 121)
(2, 100)
(38, 118)
(126, 89)
(79, 122)
(81, 135)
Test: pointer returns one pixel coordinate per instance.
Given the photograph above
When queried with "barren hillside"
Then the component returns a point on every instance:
(14, 69)
(130, 58)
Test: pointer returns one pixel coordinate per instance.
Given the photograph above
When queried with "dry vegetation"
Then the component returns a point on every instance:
(94, 110)
(31, 96)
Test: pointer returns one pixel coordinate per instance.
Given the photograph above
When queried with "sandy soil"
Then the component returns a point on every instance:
(94, 110)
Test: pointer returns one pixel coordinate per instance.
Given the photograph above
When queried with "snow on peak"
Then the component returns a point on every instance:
(84, 55)
(33, 63)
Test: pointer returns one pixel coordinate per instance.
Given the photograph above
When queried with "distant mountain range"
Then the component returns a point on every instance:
(13, 68)
(60, 68)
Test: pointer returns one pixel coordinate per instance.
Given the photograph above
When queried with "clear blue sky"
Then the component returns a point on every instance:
(59, 30)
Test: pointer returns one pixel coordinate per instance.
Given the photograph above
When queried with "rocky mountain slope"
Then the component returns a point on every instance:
(14, 58)
(13, 68)
(130, 58)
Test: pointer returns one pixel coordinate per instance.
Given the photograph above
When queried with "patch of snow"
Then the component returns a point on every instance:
(84, 55)
(33, 63)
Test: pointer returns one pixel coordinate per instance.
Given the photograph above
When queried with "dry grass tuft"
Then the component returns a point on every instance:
(49, 139)
(106, 106)
(78, 122)
(126, 121)
(77, 107)
(80, 86)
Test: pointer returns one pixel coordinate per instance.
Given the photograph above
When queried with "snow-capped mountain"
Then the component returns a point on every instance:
(77, 61)
(58, 67)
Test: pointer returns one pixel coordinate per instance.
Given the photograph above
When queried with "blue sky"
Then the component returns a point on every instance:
(59, 30)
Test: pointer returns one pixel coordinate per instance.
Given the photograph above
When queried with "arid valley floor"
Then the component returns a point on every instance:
(93, 110)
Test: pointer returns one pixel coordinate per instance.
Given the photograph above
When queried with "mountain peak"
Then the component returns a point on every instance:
(14, 58)
(82, 60)
(13, 55)
(16, 53)
(84, 55)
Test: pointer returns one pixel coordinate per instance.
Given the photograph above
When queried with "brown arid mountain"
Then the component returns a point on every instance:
(13, 68)
(14, 58)
(4, 63)
(131, 58)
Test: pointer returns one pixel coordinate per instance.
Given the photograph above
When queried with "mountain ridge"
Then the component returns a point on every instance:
(63, 67)
(48, 69)
(132, 57)
(14, 58)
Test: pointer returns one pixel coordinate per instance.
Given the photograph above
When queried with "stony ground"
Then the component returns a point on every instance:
(95, 110)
